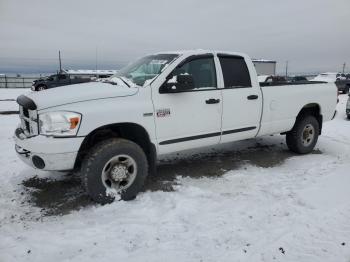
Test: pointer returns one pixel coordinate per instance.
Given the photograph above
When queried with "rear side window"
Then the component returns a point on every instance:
(235, 71)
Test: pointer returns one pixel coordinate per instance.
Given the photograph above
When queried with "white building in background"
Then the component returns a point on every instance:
(265, 67)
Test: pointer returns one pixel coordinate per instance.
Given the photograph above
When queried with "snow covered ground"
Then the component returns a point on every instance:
(8, 98)
(246, 201)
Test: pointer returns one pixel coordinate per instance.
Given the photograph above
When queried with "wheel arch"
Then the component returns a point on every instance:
(127, 130)
(313, 109)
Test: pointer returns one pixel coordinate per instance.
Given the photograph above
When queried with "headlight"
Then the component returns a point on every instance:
(59, 123)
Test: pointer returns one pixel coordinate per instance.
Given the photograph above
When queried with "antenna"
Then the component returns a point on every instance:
(59, 58)
(344, 67)
(287, 69)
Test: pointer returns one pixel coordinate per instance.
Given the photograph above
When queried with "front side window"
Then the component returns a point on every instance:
(53, 77)
(235, 71)
(146, 68)
(202, 70)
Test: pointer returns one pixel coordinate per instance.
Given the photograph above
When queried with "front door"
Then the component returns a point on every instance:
(191, 118)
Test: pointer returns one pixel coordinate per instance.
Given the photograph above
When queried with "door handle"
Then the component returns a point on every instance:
(252, 97)
(212, 101)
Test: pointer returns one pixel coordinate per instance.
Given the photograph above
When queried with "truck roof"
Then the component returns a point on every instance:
(200, 51)
(263, 61)
(89, 72)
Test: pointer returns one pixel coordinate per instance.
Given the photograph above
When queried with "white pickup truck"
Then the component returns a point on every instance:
(112, 132)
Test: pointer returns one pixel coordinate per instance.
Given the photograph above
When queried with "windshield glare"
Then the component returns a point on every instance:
(146, 68)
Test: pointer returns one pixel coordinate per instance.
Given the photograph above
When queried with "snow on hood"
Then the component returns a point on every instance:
(79, 93)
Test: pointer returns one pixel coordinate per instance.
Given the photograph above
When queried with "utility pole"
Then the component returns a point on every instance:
(287, 69)
(344, 67)
(96, 61)
(59, 58)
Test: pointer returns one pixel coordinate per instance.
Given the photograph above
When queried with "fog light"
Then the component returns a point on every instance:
(38, 162)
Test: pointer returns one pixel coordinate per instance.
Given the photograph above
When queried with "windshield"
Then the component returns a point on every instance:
(146, 68)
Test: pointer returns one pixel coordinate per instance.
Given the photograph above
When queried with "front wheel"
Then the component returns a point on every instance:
(303, 137)
(41, 88)
(114, 169)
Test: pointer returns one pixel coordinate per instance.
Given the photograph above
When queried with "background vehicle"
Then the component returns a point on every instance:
(298, 79)
(112, 132)
(57, 80)
(343, 85)
(341, 80)
(271, 80)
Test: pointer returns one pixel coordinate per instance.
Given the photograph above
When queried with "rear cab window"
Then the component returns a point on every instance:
(235, 71)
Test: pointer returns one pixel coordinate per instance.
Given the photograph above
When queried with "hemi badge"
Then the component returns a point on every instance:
(147, 114)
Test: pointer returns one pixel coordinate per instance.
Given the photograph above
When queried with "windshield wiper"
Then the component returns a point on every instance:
(109, 82)
(115, 83)
(121, 78)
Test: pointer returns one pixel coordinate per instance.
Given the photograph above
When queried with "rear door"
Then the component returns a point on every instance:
(191, 118)
(242, 100)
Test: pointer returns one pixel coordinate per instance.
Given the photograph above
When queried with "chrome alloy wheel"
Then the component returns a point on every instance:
(308, 135)
(119, 172)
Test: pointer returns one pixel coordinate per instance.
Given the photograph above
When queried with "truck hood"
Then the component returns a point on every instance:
(79, 93)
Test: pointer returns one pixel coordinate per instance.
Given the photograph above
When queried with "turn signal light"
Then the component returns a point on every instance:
(74, 121)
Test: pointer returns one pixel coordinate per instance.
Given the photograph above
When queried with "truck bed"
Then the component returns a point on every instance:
(283, 102)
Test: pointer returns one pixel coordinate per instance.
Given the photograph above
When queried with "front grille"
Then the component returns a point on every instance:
(29, 121)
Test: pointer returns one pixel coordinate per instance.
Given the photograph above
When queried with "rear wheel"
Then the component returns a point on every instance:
(114, 169)
(303, 137)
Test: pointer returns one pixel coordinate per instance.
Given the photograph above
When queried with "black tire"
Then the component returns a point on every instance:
(299, 138)
(40, 88)
(348, 117)
(94, 167)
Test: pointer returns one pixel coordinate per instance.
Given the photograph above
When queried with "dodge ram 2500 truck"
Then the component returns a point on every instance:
(112, 132)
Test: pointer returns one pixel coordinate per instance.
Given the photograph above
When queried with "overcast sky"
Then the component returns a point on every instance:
(314, 35)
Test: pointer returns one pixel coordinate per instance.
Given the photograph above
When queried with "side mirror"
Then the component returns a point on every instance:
(182, 83)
